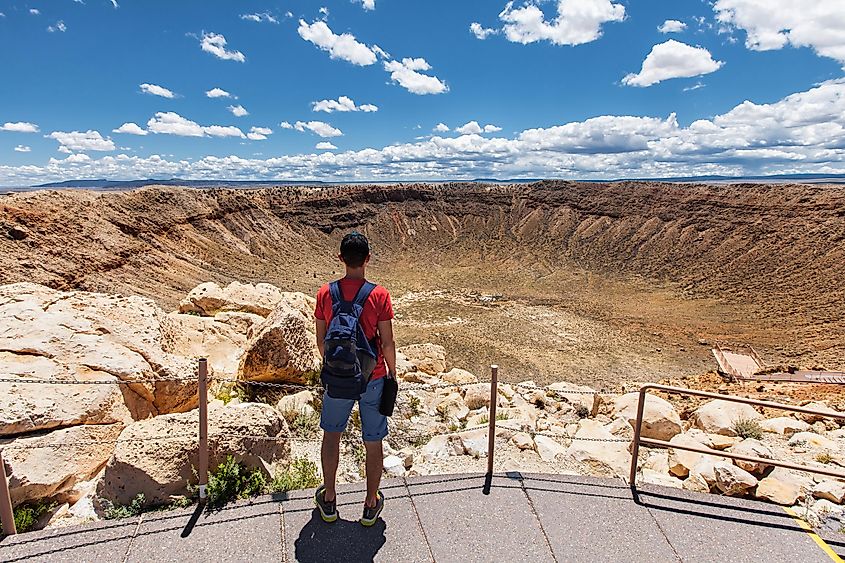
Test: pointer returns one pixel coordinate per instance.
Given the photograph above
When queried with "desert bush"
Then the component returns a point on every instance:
(415, 405)
(303, 425)
(824, 457)
(231, 481)
(581, 411)
(28, 514)
(300, 474)
(747, 428)
(115, 511)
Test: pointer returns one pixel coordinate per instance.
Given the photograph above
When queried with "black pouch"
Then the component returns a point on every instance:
(388, 395)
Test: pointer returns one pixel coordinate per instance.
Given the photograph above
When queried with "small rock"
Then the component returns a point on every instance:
(548, 448)
(720, 442)
(394, 466)
(819, 406)
(660, 419)
(814, 440)
(662, 479)
(523, 441)
(475, 442)
(577, 396)
(752, 448)
(458, 377)
(833, 491)
(780, 487)
(733, 480)
(428, 358)
(477, 395)
(784, 425)
(298, 403)
(682, 461)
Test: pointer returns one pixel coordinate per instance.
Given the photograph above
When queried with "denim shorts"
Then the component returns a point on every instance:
(373, 424)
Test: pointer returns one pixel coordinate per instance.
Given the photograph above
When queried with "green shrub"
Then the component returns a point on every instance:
(747, 428)
(300, 474)
(115, 511)
(26, 515)
(415, 405)
(233, 480)
(304, 425)
(824, 457)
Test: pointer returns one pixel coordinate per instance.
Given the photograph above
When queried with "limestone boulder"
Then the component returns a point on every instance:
(241, 323)
(813, 440)
(441, 447)
(784, 425)
(55, 471)
(477, 395)
(833, 491)
(296, 404)
(577, 396)
(660, 419)
(819, 406)
(475, 442)
(662, 479)
(706, 469)
(283, 349)
(403, 364)
(458, 376)
(205, 337)
(733, 480)
(696, 483)
(780, 487)
(607, 457)
(548, 448)
(681, 461)
(394, 466)
(428, 358)
(719, 417)
(752, 448)
(523, 441)
(77, 334)
(452, 407)
(156, 457)
(261, 299)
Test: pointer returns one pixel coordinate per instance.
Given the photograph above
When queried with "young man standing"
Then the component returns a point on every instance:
(376, 321)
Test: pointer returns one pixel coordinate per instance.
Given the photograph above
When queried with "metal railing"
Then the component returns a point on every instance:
(639, 440)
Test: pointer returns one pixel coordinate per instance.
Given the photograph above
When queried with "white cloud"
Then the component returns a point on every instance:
(262, 17)
(215, 44)
(368, 5)
(342, 104)
(114, 3)
(130, 129)
(380, 52)
(672, 26)
(22, 148)
(577, 21)
(471, 128)
(344, 46)
(406, 74)
(171, 123)
(441, 128)
(238, 110)
(81, 141)
(673, 59)
(285, 125)
(218, 93)
(318, 127)
(325, 146)
(60, 26)
(2, 15)
(481, 32)
(492, 128)
(20, 127)
(78, 159)
(157, 90)
(324, 11)
(259, 133)
(774, 24)
(34, 11)
(696, 86)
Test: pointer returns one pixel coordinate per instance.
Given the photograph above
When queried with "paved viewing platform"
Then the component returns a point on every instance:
(525, 517)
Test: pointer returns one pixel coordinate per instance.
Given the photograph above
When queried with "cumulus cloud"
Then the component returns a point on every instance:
(238, 110)
(481, 32)
(215, 44)
(259, 133)
(673, 59)
(325, 146)
(672, 26)
(774, 24)
(342, 104)
(218, 93)
(171, 123)
(130, 129)
(60, 26)
(318, 128)
(368, 5)
(344, 46)
(157, 90)
(34, 11)
(81, 141)
(800, 133)
(20, 127)
(577, 21)
(441, 128)
(258, 18)
(22, 148)
(471, 128)
(406, 74)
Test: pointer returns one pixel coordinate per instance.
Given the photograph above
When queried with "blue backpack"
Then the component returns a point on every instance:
(349, 357)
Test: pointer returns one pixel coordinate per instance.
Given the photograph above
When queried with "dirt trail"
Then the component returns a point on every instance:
(599, 283)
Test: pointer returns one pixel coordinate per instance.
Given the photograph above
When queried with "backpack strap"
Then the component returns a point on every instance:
(336, 294)
(364, 293)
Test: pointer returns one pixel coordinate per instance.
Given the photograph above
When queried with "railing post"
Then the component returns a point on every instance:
(491, 426)
(7, 515)
(635, 452)
(202, 390)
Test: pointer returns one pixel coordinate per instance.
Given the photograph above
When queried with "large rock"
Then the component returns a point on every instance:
(283, 349)
(428, 358)
(156, 457)
(548, 448)
(785, 425)
(74, 335)
(577, 396)
(45, 472)
(452, 407)
(719, 417)
(477, 395)
(296, 404)
(752, 448)
(681, 461)
(660, 419)
(833, 491)
(475, 442)
(206, 337)
(780, 487)
(458, 376)
(819, 406)
(603, 457)
(813, 440)
(733, 480)
(208, 299)
(706, 469)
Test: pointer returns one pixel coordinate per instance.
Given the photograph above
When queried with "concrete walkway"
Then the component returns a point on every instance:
(449, 518)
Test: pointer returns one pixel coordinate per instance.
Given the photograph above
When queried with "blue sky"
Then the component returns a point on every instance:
(554, 88)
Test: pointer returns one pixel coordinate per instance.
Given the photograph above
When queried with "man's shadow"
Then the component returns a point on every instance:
(341, 540)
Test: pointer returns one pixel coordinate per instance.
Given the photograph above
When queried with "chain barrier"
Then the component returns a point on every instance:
(96, 381)
(81, 443)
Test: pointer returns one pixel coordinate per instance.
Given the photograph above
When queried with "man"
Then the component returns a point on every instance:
(376, 321)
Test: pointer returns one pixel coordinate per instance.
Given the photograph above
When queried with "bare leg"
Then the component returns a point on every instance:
(375, 466)
(330, 457)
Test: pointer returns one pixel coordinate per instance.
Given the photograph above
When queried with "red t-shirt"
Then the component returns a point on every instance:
(377, 308)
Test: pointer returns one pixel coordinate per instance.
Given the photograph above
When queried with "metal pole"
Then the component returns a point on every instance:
(635, 453)
(7, 515)
(491, 426)
(202, 390)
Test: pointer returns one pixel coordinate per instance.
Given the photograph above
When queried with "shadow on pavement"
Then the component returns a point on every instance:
(342, 540)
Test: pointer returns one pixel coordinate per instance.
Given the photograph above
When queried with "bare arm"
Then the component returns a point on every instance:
(321, 337)
(388, 345)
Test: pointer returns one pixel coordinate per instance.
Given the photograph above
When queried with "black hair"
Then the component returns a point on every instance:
(354, 249)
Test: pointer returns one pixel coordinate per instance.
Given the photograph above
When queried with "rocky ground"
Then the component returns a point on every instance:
(80, 447)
